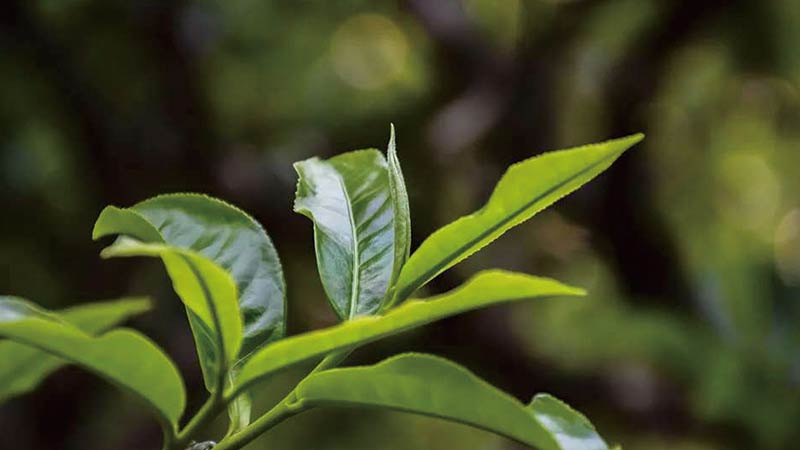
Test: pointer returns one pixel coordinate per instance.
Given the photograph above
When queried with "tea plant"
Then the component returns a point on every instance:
(225, 270)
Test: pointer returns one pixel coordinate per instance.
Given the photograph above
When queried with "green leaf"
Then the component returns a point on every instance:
(402, 222)
(208, 292)
(484, 289)
(349, 199)
(124, 357)
(433, 386)
(237, 244)
(525, 189)
(228, 237)
(571, 429)
(25, 367)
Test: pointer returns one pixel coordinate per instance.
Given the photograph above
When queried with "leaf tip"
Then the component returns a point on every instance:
(392, 143)
(578, 292)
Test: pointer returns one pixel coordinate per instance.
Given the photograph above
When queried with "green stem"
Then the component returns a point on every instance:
(207, 413)
(285, 409)
(169, 436)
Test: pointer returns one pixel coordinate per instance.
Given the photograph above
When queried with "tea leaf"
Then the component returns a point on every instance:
(25, 367)
(485, 289)
(209, 294)
(526, 188)
(433, 386)
(124, 357)
(351, 202)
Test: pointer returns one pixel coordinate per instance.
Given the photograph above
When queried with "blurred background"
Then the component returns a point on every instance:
(689, 245)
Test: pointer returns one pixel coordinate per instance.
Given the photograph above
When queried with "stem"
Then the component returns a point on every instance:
(285, 409)
(282, 411)
(204, 416)
(169, 436)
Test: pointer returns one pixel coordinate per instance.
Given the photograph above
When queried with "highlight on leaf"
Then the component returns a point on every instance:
(350, 200)
(222, 242)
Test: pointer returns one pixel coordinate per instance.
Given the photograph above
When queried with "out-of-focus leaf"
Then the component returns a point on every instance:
(208, 292)
(525, 189)
(433, 386)
(484, 289)
(350, 200)
(24, 367)
(124, 357)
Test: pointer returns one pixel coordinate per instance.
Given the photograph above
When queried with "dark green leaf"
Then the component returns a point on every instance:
(123, 357)
(525, 189)
(349, 198)
(226, 235)
(24, 367)
(486, 288)
(429, 385)
(232, 240)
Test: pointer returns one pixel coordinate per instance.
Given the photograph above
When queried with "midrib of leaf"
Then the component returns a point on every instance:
(356, 272)
(444, 261)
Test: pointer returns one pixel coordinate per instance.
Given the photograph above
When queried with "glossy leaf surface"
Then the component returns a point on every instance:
(24, 367)
(228, 237)
(485, 289)
(433, 386)
(209, 294)
(124, 357)
(350, 200)
(571, 429)
(525, 189)
(402, 222)
(236, 243)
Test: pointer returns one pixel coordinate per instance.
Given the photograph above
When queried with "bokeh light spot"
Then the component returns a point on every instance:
(369, 51)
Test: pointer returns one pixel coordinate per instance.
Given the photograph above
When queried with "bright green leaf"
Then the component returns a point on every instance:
(24, 367)
(124, 357)
(349, 199)
(525, 189)
(402, 222)
(429, 385)
(484, 289)
(208, 292)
